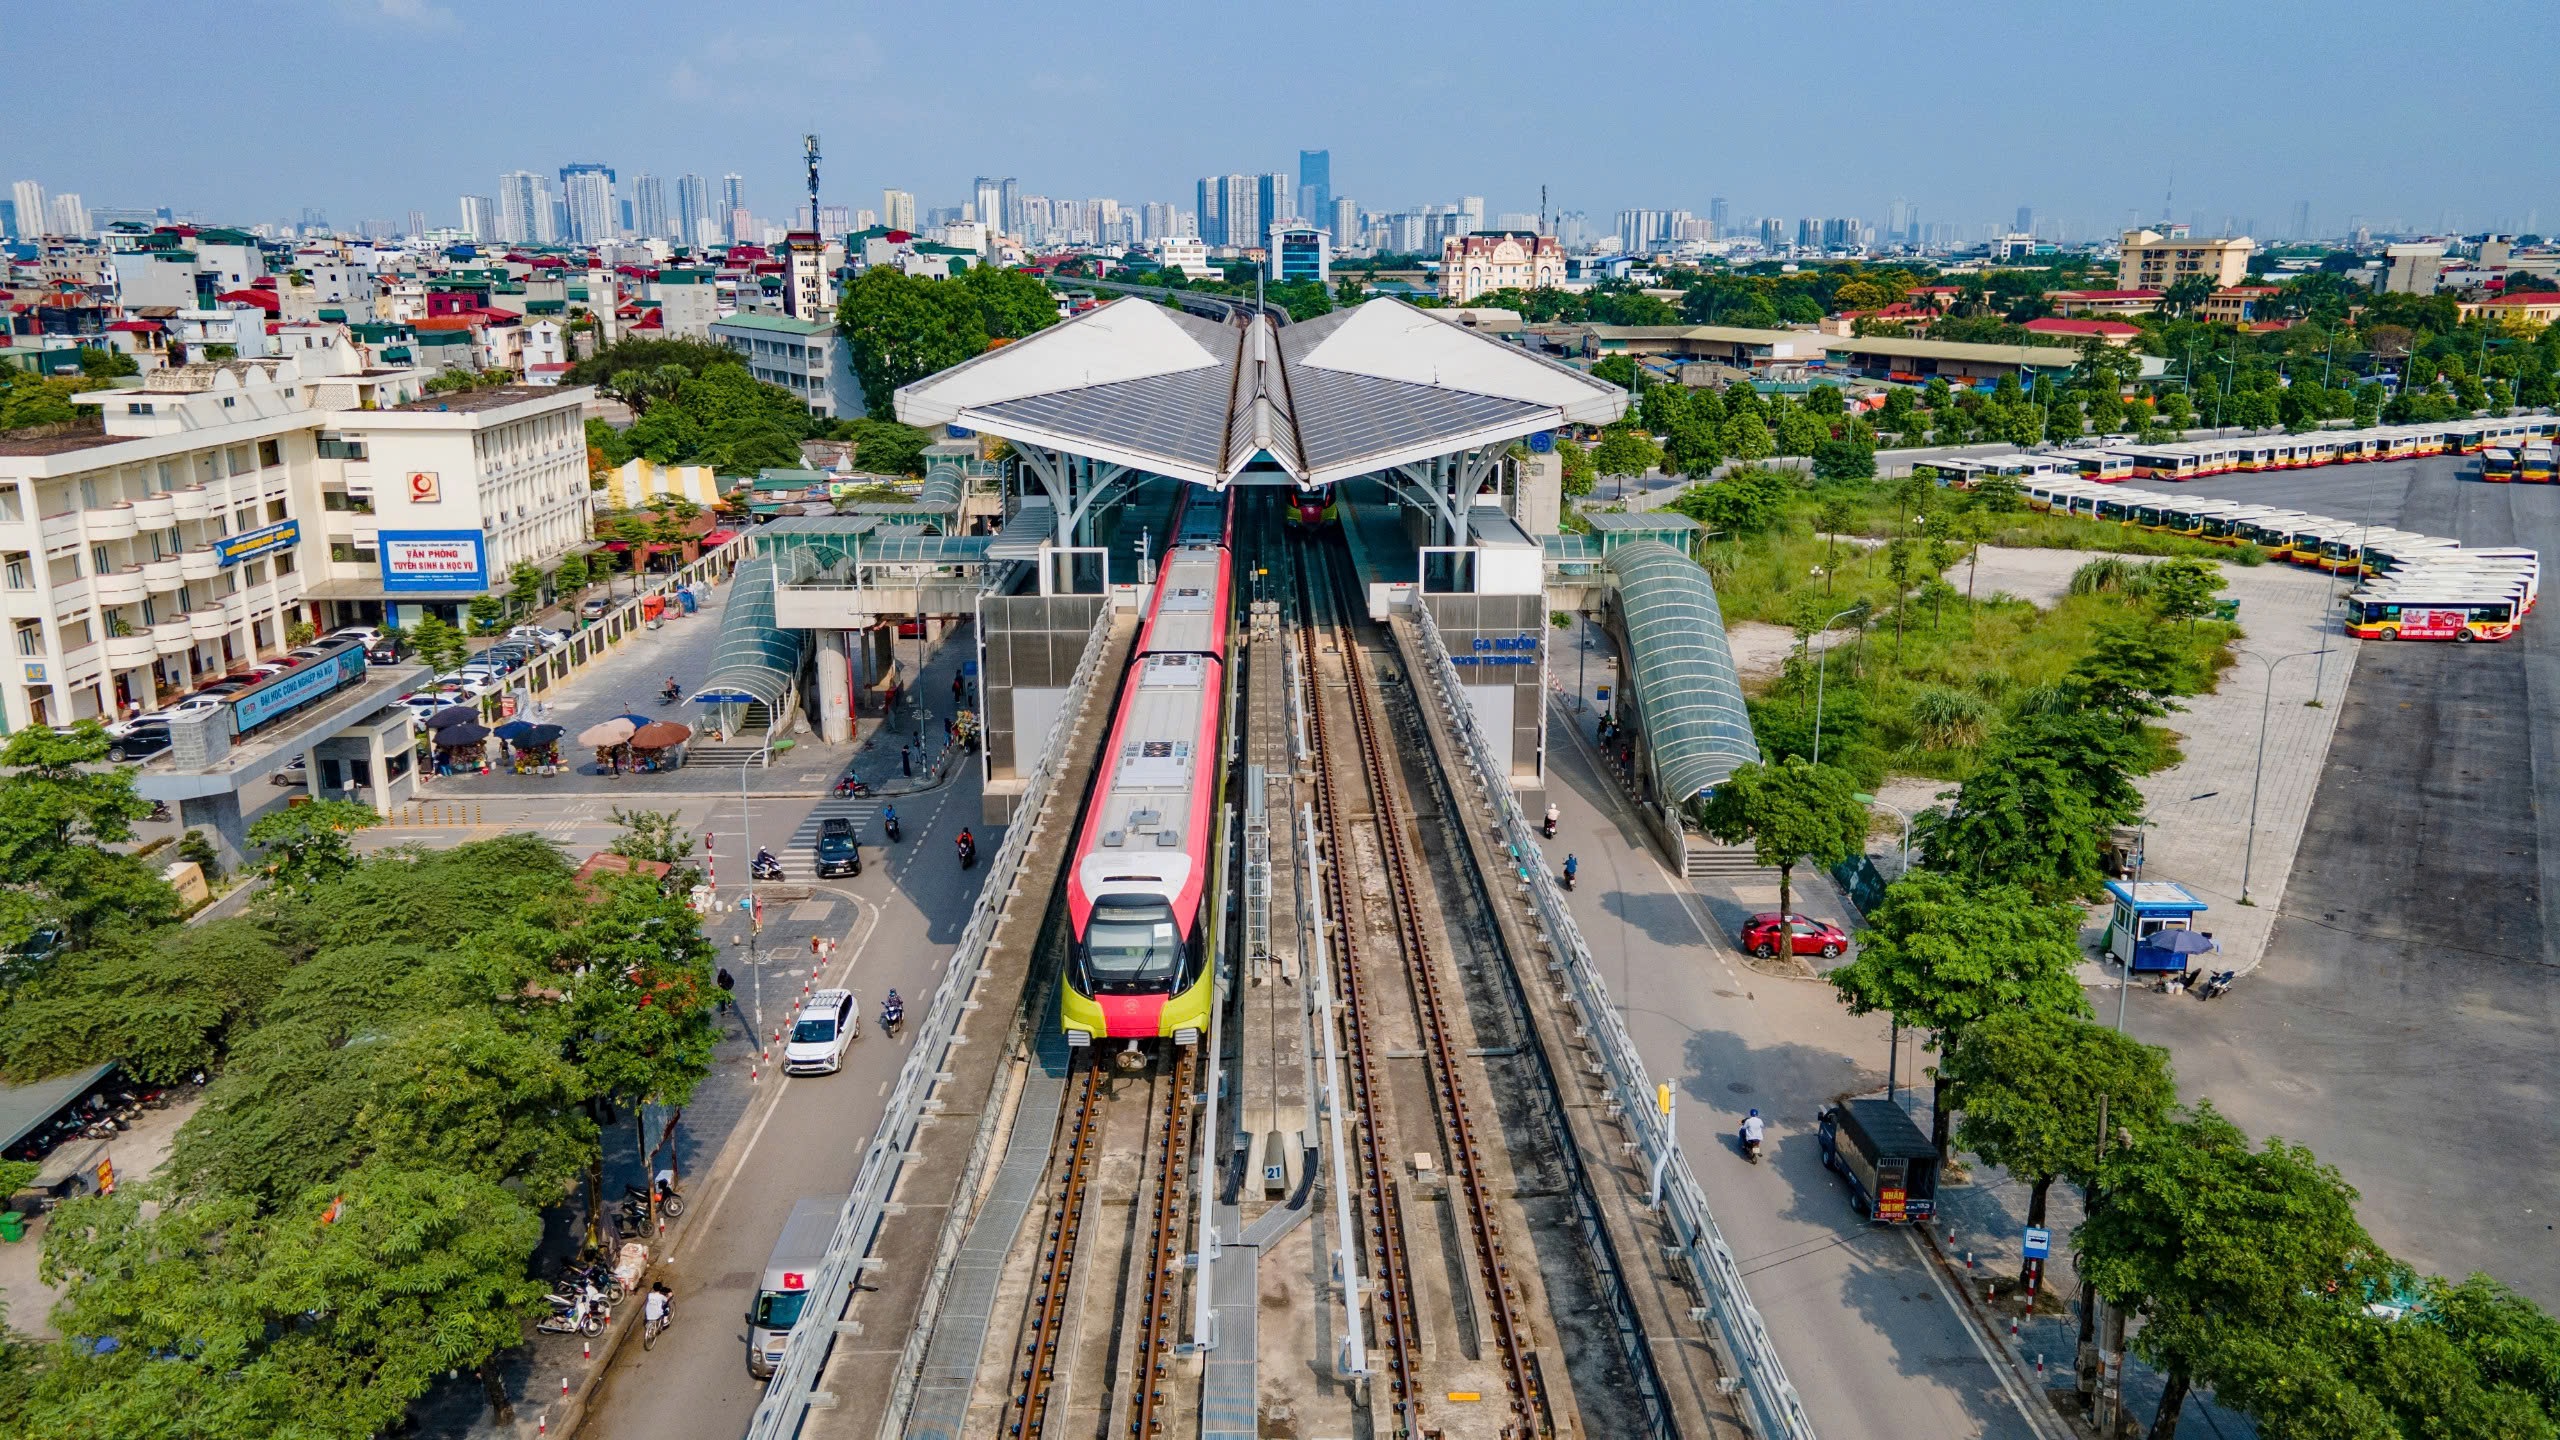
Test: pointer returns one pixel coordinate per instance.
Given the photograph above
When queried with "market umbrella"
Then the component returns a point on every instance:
(2180, 942)
(636, 720)
(534, 737)
(512, 730)
(659, 734)
(606, 733)
(462, 735)
(452, 715)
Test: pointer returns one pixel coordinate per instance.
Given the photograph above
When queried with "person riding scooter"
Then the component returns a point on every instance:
(892, 1010)
(765, 867)
(889, 821)
(1570, 865)
(968, 849)
(1553, 815)
(671, 693)
(1753, 1129)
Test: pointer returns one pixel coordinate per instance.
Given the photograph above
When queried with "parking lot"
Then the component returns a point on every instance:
(2403, 1021)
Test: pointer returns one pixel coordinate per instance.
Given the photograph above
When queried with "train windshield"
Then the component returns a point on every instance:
(1131, 947)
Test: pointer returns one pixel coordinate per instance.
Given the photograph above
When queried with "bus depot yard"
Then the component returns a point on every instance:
(2400, 987)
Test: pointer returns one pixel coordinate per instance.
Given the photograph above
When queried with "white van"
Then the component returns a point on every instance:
(788, 1275)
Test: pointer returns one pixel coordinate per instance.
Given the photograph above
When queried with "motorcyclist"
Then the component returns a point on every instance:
(1753, 1129)
(672, 689)
(892, 1010)
(1553, 815)
(968, 843)
(1571, 864)
(889, 820)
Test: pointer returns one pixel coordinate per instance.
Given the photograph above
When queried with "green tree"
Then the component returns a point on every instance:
(903, 329)
(60, 807)
(437, 643)
(2227, 1254)
(524, 587)
(160, 1005)
(1621, 371)
(1011, 303)
(1580, 475)
(306, 846)
(1625, 450)
(657, 835)
(571, 576)
(1788, 812)
(1941, 954)
(464, 1093)
(488, 612)
(2023, 820)
(2030, 1085)
(2130, 672)
(2183, 589)
(887, 447)
(1747, 437)
(1844, 460)
(1745, 502)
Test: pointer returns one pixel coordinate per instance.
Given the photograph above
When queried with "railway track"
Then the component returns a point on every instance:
(1163, 1253)
(1432, 1004)
(1047, 1323)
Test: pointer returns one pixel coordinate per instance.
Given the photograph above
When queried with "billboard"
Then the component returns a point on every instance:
(433, 560)
(232, 549)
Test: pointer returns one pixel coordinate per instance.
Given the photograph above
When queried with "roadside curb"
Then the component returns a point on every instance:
(2041, 1416)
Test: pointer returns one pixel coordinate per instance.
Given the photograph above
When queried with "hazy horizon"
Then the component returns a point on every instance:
(2091, 115)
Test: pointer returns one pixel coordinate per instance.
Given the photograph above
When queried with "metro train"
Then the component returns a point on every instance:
(1314, 509)
(1138, 966)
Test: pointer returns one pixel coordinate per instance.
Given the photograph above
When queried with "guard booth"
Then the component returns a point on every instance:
(2143, 911)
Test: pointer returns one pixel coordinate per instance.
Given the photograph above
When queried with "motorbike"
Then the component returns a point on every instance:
(582, 1314)
(892, 1014)
(765, 867)
(2220, 982)
(670, 1204)
(889, 824)
(968, 852)
(1566, 874)
(159, 810)
(1751, 1147)
(575, 1277)
(848, 787)
(1547, 827)
(670, 695)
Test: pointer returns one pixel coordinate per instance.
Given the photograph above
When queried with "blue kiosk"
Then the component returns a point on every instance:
(2142, 912)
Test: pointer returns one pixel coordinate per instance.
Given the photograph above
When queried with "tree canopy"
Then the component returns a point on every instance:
(1788, 812)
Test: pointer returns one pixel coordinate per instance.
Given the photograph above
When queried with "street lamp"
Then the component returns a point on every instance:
(1899, 813)
(2249, 851)
(1820, 662)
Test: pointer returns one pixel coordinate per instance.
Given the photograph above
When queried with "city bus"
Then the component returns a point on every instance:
(2163, 462)
(2450, 611)
(2370, 549)
(2537, 464)
(2272, 531)
(2498, 465)
(2103, 466)
(2524, 564)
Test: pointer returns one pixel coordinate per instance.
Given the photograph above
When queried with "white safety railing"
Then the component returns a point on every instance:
(1769, 1401)
(794, 1387)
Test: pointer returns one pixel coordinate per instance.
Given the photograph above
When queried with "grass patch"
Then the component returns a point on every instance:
(1923, 704)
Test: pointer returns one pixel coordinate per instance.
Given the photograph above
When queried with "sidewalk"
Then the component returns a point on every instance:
(1982, 1220)
(2199, 808)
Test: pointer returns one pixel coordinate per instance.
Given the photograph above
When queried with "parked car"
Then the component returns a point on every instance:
(1764, 934)
(295, 771)
(838, 852)
(371, 635)
(42, 944)
(384, 652)
(539, 635)
(819, 1036)
(471, 682)
(595, 607)
(145, 737)
(199, 703)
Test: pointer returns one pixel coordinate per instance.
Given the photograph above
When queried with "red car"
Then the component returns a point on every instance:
(1761, 935)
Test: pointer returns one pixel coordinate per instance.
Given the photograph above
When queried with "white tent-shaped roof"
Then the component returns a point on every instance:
(1356, 391)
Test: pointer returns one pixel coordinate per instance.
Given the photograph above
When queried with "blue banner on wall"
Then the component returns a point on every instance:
(248, 544)
(415, 561)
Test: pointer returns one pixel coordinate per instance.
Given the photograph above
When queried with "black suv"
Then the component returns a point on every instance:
(838, 854)
(145, 739)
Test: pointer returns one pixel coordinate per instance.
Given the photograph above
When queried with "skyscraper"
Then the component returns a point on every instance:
(479, 218)
(524, 208)
(587, 191)
(1213, 224)
(649, 207)
(1012, 206)
(733, 198)
(1315, 187)
(33, 211)
(1345, 218)
(1897, 220)
(898, 210)
(693, 211)
(1239, 210)
(987, 196)
(2026, 223)
(1276, 197)
(70, 217)
(1720, 215)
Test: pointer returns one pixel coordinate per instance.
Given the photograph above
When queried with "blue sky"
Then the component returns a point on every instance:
(2426, 114)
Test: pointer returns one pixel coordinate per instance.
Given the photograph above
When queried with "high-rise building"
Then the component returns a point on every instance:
(524, 208)
(34, 213)
(1345, 218)
(693, 211)
(479, 218)
(1275, 199)
(1472, 207)
(649, 216)
(1213, 225)
(733, 202)
(70, 217)
(1240, 214)
(898, 210)
(1722, 214)
(586, 190)
(1315, 188)
(1773, 234)
(1155, 221)
(1897, 219)
(1299, 252)
(1011, 198)
(9, 219)
(2026, 220)
(989, 197)
(2301, 219)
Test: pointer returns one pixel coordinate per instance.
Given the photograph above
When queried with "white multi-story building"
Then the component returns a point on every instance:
(1472, 265)
(1186, 253)
(220, 504)
(808, 358)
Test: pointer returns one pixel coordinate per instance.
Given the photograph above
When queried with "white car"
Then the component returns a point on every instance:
(191, 706)
(826, 1025)
(539, 635)
(371, 635)
(471, 681)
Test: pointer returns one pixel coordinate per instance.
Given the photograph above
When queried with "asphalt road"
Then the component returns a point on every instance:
(2404, 1021)
(1872, 1340)
(805, 1140)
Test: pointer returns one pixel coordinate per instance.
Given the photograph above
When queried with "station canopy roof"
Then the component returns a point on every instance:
(1359, 390)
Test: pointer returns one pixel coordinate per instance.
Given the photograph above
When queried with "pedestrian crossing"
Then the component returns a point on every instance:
(862, 810)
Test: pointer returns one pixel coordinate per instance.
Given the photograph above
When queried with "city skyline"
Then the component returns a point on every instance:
(2263, 150)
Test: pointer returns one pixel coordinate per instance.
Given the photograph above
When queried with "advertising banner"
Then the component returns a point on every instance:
(282, 535)
(433, 560)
